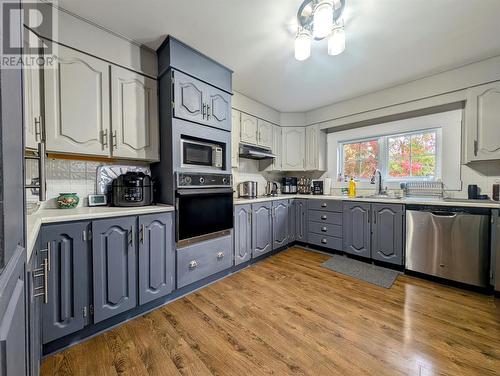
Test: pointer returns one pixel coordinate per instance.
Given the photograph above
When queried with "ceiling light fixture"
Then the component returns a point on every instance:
(320, 19)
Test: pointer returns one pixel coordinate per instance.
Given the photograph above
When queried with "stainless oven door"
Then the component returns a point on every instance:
(202, 214)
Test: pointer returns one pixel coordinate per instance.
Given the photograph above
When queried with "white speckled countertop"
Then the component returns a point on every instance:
(34, 221)
(388, 200)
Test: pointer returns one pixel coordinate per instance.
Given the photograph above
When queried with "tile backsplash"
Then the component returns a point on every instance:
(64, 176)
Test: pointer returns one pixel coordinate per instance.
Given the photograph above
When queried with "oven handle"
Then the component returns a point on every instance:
(203, 191)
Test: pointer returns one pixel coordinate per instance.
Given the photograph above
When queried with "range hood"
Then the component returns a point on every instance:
(255, 152)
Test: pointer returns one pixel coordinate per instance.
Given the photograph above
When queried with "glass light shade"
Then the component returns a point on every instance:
(322, 19)
(336, 41)
(302, 45)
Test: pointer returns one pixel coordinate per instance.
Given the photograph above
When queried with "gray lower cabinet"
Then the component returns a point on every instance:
(66, 250)
(242, 233)
(34, 310)
(114, 259)
(356, 228)
(387, 233)
(292, 204)
(201, 260)
(262, 228)
(13, 315)
(300, 216)
(156, 256)
(280, 223)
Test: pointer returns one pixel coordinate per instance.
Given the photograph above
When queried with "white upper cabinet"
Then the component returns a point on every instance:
(315, 148)
(77, 104)
(249, 129)
(264, 134)
(33, 121)
(235, 137)
(275, 164)
(293, 150)
(482, 123)
(134, 115)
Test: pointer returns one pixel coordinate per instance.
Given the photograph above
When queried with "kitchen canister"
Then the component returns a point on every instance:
(67, 200)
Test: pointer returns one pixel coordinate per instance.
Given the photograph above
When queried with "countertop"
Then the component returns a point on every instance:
(34, 221)
(388, 200)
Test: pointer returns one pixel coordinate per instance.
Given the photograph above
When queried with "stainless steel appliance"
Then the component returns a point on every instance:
(450, 243)
(272, 188)
(204, 207)
(198, 154)
(132, 189)
(317, 187)
(255, 152)
(247, 189)
(495, 250)
(289, 185)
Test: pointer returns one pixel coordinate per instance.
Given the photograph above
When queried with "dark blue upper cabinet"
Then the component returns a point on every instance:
(175, 54)
(387, 233)
(356, 228)
(156, 256)
(66, 250)
(114, 257)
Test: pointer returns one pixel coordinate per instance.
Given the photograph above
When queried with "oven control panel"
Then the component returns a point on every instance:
(194, 180)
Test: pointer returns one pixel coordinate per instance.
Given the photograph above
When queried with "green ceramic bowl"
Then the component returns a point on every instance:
(67, 200)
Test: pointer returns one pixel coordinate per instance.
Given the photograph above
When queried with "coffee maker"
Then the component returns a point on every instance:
(289, 185)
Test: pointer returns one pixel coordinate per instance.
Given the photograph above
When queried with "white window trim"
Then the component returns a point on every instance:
(383, 156)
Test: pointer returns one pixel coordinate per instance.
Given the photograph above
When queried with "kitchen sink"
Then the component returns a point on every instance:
(381, 197)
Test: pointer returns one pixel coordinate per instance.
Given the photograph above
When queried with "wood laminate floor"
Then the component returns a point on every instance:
(289, 316)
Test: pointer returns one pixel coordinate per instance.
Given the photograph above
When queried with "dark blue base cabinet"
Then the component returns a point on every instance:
(99, 269)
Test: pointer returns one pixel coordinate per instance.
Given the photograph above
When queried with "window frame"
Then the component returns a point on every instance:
(383, 157)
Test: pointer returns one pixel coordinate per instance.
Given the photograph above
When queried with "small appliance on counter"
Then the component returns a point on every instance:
(304, 186)
(132, 189)
(289, 185)
(247, 189)
(272, 188)
(97, 200)
(317, 187)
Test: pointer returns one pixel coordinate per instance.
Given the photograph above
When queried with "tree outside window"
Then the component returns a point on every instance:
(361, 159)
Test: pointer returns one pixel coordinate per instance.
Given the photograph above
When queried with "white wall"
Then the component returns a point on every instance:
(293, 119)
(450, 124)
(250, 106)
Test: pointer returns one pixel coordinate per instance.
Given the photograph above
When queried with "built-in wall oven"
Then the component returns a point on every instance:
(196, 153)
(204, 205)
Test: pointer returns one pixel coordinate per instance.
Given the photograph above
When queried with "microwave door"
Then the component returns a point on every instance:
(197, 154)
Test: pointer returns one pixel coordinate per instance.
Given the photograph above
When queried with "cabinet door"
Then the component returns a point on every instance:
(67, 253)
(482, 121)
(189, 98)
(242, 233)
(13, 316)
(280, 223)
(218, 108)
(32, 97)
(265, 134)
(248, 129)
(34, 312)
(293, 149)
(292, 207)
(356, 228)
(262, 229)
(77, 105)
(300, 220)
(134, 115)
(156, 256)
(387, 233)
(114, 261)
(311, 148)
(235, 138)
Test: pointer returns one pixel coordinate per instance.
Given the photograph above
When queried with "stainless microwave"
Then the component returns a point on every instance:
(204, 154)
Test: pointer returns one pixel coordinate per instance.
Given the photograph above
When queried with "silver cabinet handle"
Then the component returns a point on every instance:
(48, 253)
(323, 217)
(249, 216)
(114, 139)
(104, 137)
(323, 229)
(142, 234)
(323, 241)
(220, 255)
(45, 274)
(38, 128)
(193, 264)
(131, 236)
(323, 205)
(475, 148)
(208, 112)
(203, 110)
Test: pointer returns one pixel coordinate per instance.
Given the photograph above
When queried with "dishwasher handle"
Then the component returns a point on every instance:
(444, 214)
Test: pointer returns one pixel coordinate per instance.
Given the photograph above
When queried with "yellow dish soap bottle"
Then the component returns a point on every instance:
(352, 188)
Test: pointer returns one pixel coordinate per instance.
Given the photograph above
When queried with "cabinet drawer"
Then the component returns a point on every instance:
(326, 205)
(325, 229)
(325, 241)
(201, 260)
(325, 217)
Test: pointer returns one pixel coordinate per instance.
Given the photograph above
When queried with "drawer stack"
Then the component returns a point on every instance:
(325, 223)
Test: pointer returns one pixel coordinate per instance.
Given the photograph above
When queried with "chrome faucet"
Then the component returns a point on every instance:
(377, 180)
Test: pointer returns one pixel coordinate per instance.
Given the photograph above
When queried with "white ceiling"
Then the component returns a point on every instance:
(388, 42)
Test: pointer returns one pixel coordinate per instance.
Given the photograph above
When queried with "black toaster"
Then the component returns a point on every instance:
(132, 189)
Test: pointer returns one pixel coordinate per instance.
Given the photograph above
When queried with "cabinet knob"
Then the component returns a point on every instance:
(323, 205)
(323, 217)
(323, 241)
(220, 255)
(323, 229)
(193, 264)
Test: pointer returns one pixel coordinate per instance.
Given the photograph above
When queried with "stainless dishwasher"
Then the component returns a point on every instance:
(451, 243)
